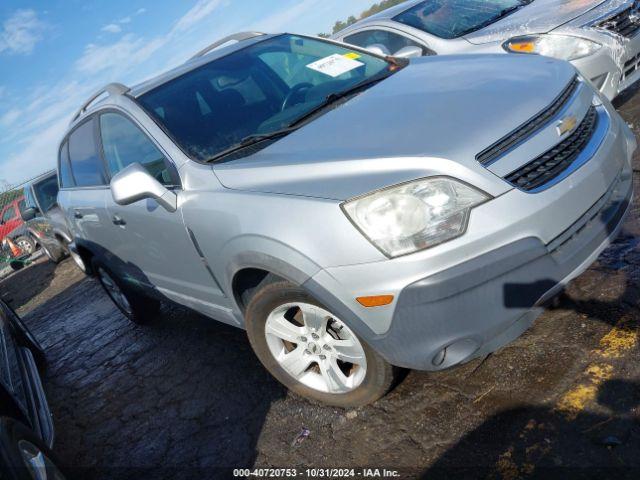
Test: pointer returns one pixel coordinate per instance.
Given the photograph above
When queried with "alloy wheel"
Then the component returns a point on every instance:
(114, 291)
(25, 246)
(316, 348)
(78, 260)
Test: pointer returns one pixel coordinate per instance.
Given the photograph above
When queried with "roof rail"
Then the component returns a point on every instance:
(111, 89)
(238, 37)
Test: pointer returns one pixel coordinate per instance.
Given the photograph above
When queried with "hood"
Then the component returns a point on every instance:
(541, 16)
(399, 129)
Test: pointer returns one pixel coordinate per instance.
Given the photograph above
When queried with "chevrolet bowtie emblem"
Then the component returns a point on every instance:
(567, 125)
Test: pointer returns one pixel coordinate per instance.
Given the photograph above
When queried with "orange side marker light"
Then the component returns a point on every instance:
(375, 301)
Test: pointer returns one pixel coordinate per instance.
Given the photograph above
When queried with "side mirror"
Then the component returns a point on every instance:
(379, 49)
(29, 214)
(134, 183)
(409, 52)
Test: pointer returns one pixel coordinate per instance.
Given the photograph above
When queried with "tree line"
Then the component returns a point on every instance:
(375, 8)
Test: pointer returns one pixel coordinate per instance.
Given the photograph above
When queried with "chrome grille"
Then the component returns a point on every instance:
(630, 66)
(522, 133)
(625, 23)
(552, 163)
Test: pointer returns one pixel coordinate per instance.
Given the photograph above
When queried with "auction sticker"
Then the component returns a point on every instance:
(335, 65)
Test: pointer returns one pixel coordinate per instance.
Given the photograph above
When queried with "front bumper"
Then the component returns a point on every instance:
(613, 68)
(477, 307)
(474, 294)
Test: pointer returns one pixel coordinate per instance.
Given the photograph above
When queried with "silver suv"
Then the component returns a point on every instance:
(354, 213)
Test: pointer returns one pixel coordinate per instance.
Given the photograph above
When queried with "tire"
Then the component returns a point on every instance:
(18, 444)
(54, 251)
(26, 339)
(26, 244)
(15, 265)
(78, 260)
(138, 308)
(363, 382)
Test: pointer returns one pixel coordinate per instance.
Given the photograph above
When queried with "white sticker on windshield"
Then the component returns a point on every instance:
(335, 65)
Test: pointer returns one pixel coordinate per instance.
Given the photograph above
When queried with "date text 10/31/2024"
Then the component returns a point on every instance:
(316, 473)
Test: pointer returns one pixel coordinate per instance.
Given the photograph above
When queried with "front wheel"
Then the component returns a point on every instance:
(311, 351)
(26, 244)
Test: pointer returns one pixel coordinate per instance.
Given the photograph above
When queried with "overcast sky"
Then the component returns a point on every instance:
(55, 53)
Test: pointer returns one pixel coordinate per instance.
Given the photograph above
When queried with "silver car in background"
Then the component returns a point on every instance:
(600, 38)
(354, 213)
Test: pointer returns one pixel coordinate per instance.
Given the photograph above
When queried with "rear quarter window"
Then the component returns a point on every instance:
(64, 170)
(86, 165)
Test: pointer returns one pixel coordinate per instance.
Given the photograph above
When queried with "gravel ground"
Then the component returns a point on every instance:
(186, 397)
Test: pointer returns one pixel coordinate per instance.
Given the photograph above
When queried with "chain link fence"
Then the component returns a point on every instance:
(17, 247)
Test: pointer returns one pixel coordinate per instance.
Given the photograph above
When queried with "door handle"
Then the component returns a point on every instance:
(117, 220)
(77, 214)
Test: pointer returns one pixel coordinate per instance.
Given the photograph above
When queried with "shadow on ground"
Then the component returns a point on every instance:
(182, 398)
(534, 442)
(600, 439)
(21, 286)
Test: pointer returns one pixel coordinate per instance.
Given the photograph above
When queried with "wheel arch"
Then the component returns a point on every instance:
(86, 254)
(252, 258)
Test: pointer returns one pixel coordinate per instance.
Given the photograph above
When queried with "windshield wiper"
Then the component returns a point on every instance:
(296, 124)
(251, 140)
(332, 98)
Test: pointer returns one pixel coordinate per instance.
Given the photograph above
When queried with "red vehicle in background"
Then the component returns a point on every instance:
(12, 226)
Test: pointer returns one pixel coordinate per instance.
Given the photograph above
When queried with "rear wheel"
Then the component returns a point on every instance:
(26, 244)
(136, 307)
(312, 351)
(54, 251)
(77, 258)
(23, 456)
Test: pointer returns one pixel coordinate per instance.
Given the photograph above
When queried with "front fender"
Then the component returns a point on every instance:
(254, 251)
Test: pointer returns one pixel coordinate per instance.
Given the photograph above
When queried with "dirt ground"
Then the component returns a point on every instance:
(186, 398)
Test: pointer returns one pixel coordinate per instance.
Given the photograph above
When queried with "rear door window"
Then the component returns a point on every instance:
(86, 165)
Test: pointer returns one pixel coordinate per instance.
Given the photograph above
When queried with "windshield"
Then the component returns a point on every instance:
(46, 192)
(255, 91)
(455, 18)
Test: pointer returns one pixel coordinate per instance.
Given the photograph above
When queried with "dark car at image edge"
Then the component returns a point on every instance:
(26, 426)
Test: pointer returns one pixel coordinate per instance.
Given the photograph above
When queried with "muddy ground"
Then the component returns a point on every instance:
(186, 398)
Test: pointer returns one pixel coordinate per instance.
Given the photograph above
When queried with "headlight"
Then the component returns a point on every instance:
(563, 47)
(416, 215)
